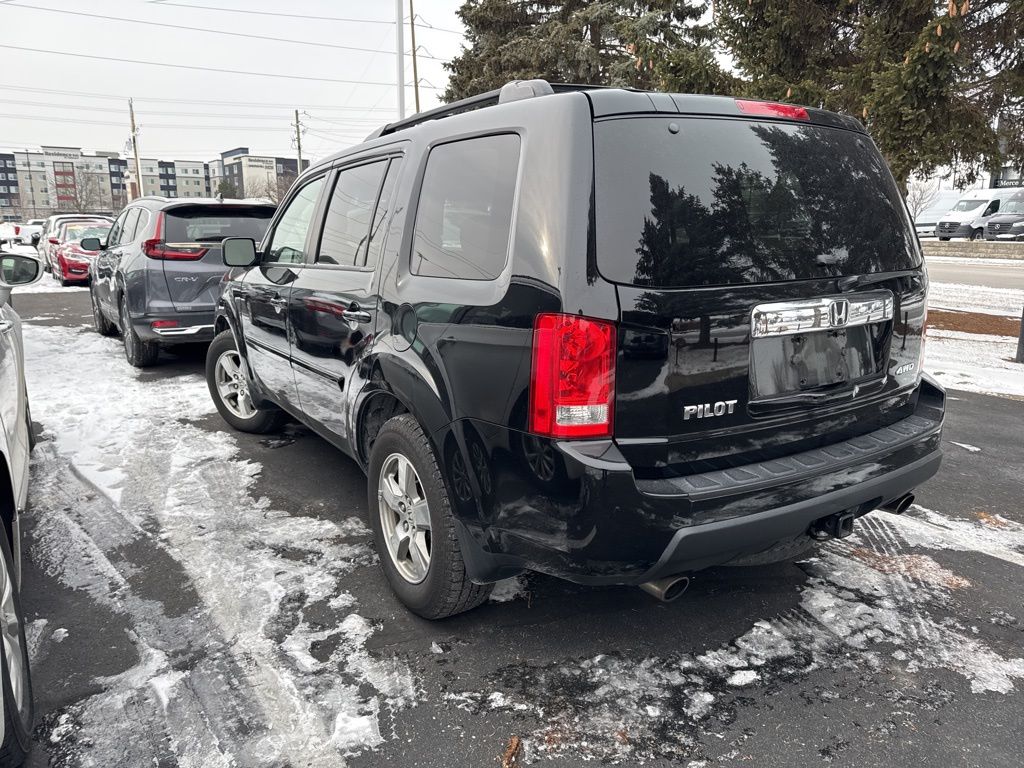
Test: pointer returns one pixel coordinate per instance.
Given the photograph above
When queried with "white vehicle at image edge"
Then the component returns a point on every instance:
(971, 213)
(15, 444)
(16, 232)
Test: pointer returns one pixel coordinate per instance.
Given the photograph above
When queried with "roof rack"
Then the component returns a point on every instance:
(511, 91)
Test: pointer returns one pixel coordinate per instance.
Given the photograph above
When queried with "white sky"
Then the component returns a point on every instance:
(212, 111)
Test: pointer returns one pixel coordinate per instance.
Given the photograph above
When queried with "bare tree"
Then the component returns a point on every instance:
(272, 189)
(921, 193)
(84, 195)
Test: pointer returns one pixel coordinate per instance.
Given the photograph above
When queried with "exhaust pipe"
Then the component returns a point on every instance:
(667, 589)
(900, 505)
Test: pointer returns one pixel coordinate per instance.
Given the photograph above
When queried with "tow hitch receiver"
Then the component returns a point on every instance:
(837, 526)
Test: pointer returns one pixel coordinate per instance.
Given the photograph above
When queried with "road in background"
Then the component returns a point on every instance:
(1002, 273)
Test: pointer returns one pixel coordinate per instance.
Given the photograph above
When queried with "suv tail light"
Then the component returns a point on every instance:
(772, 109)
(156, 248)
(572, 385)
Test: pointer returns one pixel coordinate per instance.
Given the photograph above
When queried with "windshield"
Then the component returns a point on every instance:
(698, 202)
(203, 225)
(78, 231)
(1014, 205)
(968, 204)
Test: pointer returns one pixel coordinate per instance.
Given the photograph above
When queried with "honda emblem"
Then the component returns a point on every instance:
(839, 313)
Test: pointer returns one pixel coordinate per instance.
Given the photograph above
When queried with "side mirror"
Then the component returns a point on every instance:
(18, 269)
(91, 244)
(239, 251)
(35, 238)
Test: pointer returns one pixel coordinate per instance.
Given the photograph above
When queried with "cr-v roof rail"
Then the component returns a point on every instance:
(511, 91)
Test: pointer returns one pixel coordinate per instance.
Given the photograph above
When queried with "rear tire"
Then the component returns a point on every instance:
(99, 321)
(137, 352)
(231, 394)
(17, 719)
(944, 239)
(445, 589)
(978, 234)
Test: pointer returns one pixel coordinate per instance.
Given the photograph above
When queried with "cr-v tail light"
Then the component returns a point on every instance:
(156, 248)
(572, 385)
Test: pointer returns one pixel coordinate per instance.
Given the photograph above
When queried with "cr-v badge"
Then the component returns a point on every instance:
(704, 410)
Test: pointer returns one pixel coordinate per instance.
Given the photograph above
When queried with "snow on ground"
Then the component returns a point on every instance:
(870, 604)
(1008, 302)
(267, 664)
(974, 362)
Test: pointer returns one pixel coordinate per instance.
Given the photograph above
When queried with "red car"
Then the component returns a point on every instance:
(70, 261)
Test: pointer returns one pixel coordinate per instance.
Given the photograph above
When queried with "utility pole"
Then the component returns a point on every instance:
(415, 74)
(298, 141)
(400, 57)
(135, 147)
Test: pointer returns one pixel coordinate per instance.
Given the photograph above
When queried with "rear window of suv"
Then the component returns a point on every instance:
(702, 202)
(211, 225)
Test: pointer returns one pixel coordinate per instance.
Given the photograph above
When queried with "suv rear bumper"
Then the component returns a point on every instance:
(602, 526)
(192, 327)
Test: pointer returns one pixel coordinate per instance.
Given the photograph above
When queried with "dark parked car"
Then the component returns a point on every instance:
(157, 276)
(576, 331)
(1008, 224)
(15, 444)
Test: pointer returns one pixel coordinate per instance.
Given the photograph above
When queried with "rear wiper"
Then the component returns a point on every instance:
(851, 282)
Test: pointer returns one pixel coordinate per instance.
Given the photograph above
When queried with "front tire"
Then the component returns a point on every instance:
(99, 321)
(137, 352)
(978, 234)
(413, 526)
(17, 679)
(229, 389)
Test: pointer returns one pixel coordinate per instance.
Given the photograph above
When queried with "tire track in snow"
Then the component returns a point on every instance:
(235, 679)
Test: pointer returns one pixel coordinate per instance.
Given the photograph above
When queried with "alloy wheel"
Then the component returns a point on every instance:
(232, 385)
(14, 650)
(404, 518)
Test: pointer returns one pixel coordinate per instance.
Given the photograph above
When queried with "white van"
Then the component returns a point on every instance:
(971, 213)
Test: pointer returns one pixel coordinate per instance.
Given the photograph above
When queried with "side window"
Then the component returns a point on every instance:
(464, 215)
(288, 242)
(992, 208)
(347, 224)
(128, 230)
(140, 226)
(114, 236)
(377, 231)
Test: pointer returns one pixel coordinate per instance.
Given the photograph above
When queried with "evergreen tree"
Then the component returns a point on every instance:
(601, 42)
(937, 83)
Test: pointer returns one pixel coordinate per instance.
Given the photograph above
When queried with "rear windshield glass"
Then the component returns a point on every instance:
(699, 202)
(202, 225)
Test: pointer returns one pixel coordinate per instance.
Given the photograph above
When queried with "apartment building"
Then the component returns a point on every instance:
(248, 175)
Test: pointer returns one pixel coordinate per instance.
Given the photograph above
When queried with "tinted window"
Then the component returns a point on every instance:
(377, 232)
(128, 231)
(347, 224)
(288, 243)
(115, 230)
(205, 225)
(464, 214)
(727, 201)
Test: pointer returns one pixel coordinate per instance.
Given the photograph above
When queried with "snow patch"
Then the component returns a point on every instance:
(508, 589)
(1006, 302)
(974, 362)
(966, 446)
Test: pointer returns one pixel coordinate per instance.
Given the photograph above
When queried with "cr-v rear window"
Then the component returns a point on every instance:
(699, 202)
(213, 224)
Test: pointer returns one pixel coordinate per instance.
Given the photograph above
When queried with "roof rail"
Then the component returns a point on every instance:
(511, 91)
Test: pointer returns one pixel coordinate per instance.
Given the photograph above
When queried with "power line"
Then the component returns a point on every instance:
(389, 22)
(176, 126)
(194, 67)
(108, 110)
(195, 29)
(218, 102)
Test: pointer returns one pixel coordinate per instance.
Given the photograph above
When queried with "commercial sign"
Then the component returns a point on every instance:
(61, 153)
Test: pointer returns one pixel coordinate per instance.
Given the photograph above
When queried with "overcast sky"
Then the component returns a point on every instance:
(195, 113)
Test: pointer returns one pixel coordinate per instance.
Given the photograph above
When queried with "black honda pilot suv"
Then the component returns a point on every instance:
(608, 335)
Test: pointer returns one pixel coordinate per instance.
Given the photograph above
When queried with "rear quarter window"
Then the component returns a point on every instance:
(464, 215)
(701, 202)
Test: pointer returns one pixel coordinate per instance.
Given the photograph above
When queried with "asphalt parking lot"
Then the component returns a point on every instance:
(202, 598)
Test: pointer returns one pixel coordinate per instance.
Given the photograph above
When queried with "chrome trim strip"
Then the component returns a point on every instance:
(785, 318)
(190, 330)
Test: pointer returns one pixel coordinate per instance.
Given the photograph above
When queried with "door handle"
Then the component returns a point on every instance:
(356, 315)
